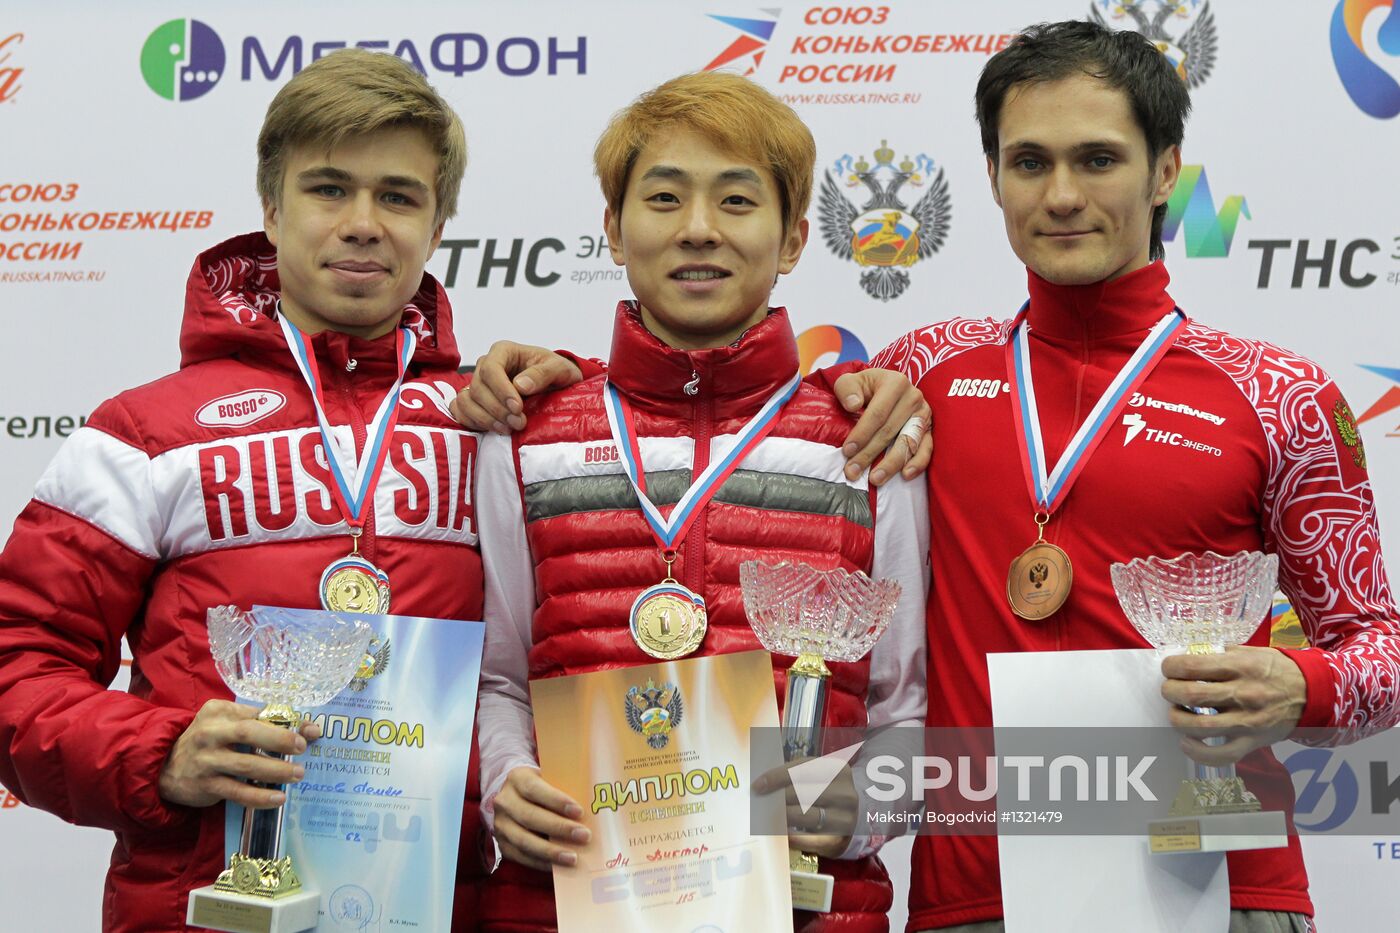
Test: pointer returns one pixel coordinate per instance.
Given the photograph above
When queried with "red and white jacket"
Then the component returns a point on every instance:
(209, 487)
(566, 551)
(1229, 445)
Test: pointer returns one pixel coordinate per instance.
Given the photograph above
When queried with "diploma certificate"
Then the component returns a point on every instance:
(374, 825)
(659, 758)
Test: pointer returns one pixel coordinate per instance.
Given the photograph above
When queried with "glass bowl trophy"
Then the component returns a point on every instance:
(815, 616)
(1199, 604)
(291, 660)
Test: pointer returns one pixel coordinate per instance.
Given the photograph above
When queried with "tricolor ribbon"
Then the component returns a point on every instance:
(669, 531)
(1048, 490)
(353, 482)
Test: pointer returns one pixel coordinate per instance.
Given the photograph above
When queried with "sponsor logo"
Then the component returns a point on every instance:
(745, 53)
(1307, 257)
(182, 59)
(1137, 426)
(1345, 423)
(978, 388)
(239, 409)
(1191, 50)
(1328, 794)
(1146, 401)
(654, 711)
(536, 263)
(604, 454)
(817, 342)
(1369, 86)
(9, 74)
(1209, 233)
(883, 234)
(1388, 402)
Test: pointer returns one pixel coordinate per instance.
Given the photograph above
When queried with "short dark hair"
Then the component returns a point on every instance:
(1122, 59)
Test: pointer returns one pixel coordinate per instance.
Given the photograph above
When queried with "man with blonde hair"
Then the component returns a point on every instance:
(707, 180)
(212, 486)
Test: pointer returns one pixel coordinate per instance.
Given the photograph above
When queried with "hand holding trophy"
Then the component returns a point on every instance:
(291, 660)
(1200, 603)
(816, 616)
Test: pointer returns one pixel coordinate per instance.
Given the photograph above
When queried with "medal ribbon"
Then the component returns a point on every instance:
(1048, 490)
(354, 483)
(669, 531)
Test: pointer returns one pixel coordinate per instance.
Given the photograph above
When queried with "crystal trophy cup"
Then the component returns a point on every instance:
(815, 616)
(290, 660)
(1199, 604)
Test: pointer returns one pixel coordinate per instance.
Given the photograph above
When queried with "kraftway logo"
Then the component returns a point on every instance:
(746, 51)
(1191, 52)
(884, 235)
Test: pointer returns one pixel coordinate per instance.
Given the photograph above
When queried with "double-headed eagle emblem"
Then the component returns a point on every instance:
(1192, 53)
(654, 711)
(373, 664)
(884, 235)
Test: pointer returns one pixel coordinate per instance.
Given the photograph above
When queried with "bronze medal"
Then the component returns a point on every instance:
(668, 621)
(1039, 581)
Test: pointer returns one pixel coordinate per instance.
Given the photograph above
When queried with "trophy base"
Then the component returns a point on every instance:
(244, 913)
(811, 890)
(1219, 832)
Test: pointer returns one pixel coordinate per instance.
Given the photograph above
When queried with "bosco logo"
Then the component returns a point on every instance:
(182, 59)
(605, 454)
(883, 235)
(816, 342)
(1369, 86)
(241, 408)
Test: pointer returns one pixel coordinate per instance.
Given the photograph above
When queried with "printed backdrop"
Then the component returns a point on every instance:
(128, 146)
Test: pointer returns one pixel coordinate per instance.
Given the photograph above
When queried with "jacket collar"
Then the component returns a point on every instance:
(1102, 310)
(742, 375)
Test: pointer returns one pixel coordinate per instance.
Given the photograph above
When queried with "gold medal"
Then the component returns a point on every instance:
(353, 584)
(668, 621)
(1040, 578)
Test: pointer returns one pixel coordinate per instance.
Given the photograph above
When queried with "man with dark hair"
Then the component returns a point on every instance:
(1234, 445)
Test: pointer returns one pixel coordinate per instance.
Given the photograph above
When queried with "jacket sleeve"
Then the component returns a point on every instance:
(73, 577)
(898, 692)
(1320, 518)
(506, 724)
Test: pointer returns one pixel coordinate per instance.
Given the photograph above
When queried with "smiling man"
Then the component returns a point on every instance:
(211, 486)
(1120, 429)
(707, 179)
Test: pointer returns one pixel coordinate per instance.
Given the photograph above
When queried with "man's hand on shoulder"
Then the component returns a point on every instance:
(204, 767)
(509, 371)
(1258, 695)
(888, 402)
